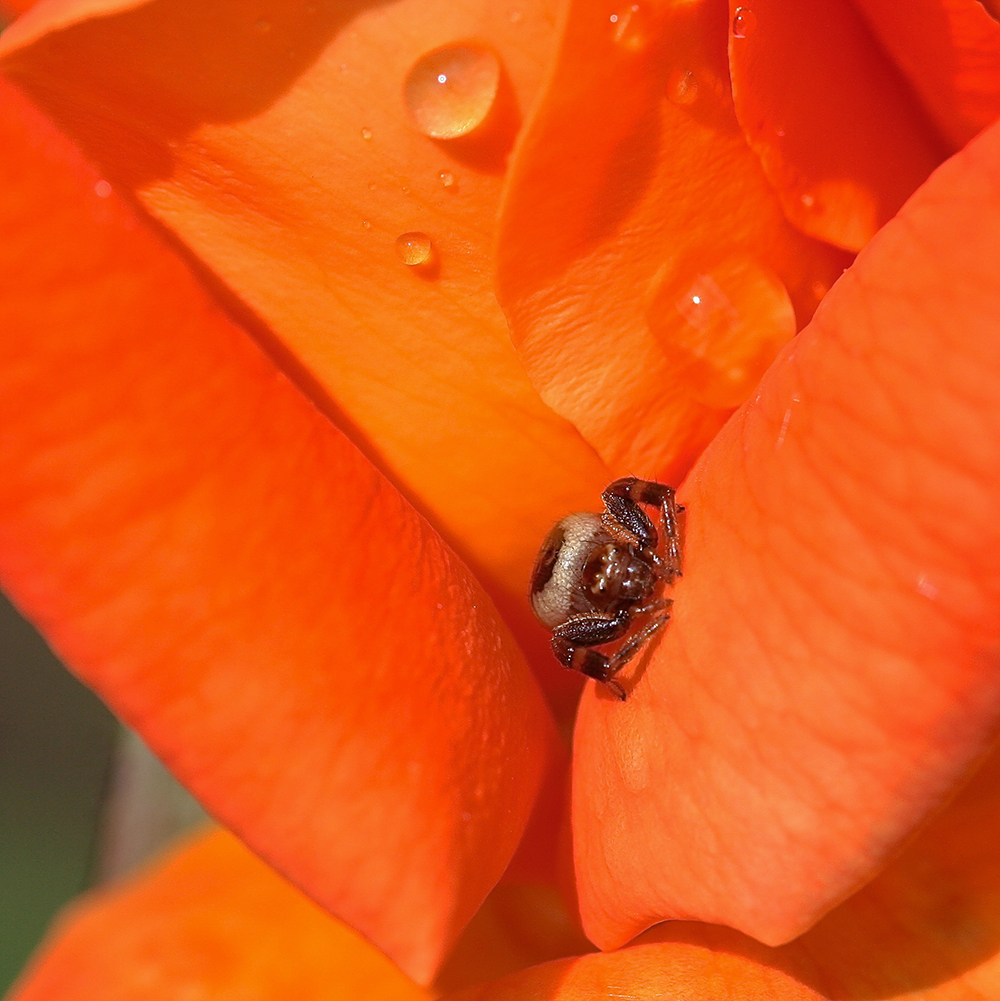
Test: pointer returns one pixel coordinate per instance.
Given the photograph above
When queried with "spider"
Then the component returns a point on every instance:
(597, 576)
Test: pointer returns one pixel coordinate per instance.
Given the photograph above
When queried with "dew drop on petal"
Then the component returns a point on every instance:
(102, 189)
(630, 27)
(450, 91)
(744, 22)
(414, 248)
(447, 178)
(366, 134)
(365, 224)
(721, 326)
(682, 88)
(372, 186)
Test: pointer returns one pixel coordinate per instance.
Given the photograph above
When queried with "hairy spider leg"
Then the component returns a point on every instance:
(572, 642)
(622, 499)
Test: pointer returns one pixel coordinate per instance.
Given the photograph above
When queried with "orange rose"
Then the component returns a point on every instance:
(297, 566)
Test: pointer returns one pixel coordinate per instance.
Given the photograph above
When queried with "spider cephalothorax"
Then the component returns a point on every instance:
(599, 578)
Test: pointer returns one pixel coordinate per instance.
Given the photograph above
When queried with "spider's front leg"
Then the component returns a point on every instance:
(622, 499)
(573, 639)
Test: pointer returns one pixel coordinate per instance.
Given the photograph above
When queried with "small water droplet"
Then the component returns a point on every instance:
(102, 189)
(807, 200)
(682, 88)
(721, 326)
(449, 92)
(515, 17)
(819, 290)
(406, 189)
(365, 224)
(744, 22)
(447, 178)
(414, 248)
(366, 134)
(631, 28)
(371, 185)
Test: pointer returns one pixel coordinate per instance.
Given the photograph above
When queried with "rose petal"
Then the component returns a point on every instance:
(644, 263)
(929, 923)
(950, 53)
(646, 973)
(831, 670)
(243, 129)
(208, 921)
(224, 567)
(838, 131)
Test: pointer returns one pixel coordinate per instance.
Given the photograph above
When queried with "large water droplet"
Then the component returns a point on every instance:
(366, 134)
(450, 91)
(744, 22)
(414, 248)
(447, 178)
(631, 27)
(682, 88)
(722, 326)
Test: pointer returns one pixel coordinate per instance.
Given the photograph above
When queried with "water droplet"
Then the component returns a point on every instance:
(631, 27)
(515, 17)
(808, 201)
(447, 178)
(450, 91)
(819, 290)
(744, 22)
(365, 224)
(102, 189)
(682, 88)
(371, 185)
(414, 248)
(366, 134)
(721, 326)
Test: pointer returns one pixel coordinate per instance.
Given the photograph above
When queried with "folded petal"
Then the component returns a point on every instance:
(838, 131)
(211, 920)
(223, 566)
(646, 973)
(949, 51)
(929, 924)
(275, 141)
(833, 667)
(644, 262)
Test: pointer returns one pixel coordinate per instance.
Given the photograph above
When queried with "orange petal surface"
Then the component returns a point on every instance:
(276, 142)
(949, 51)
(832, 666)
(839, 133)
(927, 926)
(644, 262)
(209, 921)
(650, 972)
(219, 562)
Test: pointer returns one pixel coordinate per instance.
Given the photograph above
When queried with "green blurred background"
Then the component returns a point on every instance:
(81, 799)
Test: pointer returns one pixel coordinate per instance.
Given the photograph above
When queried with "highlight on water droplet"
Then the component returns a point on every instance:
(450, 91)
(721, 326)
(365, 224)
(744, 22)
(682, 88)
(414, 248)
(366, 134)
(447, 178)
(630, 27)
